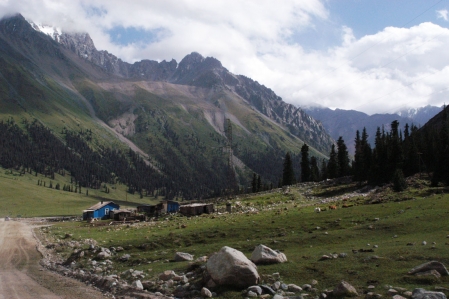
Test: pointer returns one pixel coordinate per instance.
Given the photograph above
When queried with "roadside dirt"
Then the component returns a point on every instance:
(21, 276)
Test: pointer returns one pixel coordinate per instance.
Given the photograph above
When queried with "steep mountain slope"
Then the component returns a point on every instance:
(195, 70)
(174, 113)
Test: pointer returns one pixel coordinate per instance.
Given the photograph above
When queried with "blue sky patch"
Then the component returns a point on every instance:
(132, 35)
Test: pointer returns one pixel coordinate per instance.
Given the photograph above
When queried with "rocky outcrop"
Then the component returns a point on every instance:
(232, 268)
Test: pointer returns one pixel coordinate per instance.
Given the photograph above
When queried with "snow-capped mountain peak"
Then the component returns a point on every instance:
(54, 33)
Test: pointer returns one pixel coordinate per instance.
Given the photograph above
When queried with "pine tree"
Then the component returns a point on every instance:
(254, 183)
(288, 175)
(342, 158)
(259, 184)
(332, 165)
(305, 164)
(314, 170)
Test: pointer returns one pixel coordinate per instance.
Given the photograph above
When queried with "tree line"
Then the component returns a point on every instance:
(395, 154)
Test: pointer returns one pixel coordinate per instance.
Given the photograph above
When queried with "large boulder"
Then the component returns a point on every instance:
(423, 294)
(231, 267)
(265, 255)
(433, 265)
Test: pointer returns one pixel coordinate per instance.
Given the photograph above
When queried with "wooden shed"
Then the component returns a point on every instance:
(150, 210)
(169, 206)
(121, 215)
(196, 209)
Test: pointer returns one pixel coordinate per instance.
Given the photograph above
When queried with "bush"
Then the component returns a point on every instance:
(399, 183)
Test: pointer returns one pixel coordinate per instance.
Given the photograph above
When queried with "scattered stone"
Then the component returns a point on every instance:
(265, 255)
(325, 257)
(251, 294)
(231, 267)
(138, 285)
(294, 288)
(276, 285)
(267, 289)
(125, 258)
(343, 255)
(433, 265)
(276, 276)
(306, 287)
(424, 243)
(103, 255)
(344, 289)
(255, 289)
(167, 275)
(423, 294)
(398, 297)
(206, 293)
(182, 256)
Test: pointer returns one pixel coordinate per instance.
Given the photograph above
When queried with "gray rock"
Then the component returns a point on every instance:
(265, 255)
(251, 294)
(267, 289)
(277, 296)
(167, 275)
(294, 288)
(423, 294)
(433, 265)
(255, 289)
(206, 293)
(138, 285)
(398, 297)
(125, 257)
(182, 256)
(103, 255)
(231, 267)
(306, 287)
(284, 287)
(344, 289)
(276, 285)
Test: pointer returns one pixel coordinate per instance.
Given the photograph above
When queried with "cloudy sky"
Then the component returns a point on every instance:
(369, 55)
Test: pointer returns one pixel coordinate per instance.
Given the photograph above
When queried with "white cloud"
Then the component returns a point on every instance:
(375, 73)
(442, 14)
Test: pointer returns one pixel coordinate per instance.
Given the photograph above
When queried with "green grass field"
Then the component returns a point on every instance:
(289, 223)
(21, 196)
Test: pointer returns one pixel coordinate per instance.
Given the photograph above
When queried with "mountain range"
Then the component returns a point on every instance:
(178, 116)
(345, 123)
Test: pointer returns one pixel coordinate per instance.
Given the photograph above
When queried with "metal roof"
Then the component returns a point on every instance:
(100, 205)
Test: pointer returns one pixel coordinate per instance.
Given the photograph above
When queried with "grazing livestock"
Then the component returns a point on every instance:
(332, 207)
(317, 210)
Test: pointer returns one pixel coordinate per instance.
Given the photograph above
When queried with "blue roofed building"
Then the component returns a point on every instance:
(100, 210)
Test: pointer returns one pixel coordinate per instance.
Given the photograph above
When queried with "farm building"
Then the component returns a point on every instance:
(150, 210)
(100, 210)
(169, 206)
(196, 209)
(120, 215)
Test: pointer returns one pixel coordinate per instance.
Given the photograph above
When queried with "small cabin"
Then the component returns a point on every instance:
(150, 210)
(196, 209)
(100, 210)
(121, 215)
(169, 206)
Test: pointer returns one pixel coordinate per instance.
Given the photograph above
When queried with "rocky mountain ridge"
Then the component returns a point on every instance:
(208, 72)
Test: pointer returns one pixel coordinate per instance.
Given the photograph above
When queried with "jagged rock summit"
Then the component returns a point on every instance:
(199, 71)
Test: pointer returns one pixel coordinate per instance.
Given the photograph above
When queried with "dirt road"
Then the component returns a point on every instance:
(21, 276)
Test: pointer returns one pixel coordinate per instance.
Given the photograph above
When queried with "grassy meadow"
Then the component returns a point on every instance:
(21, 196)
(387, 236)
